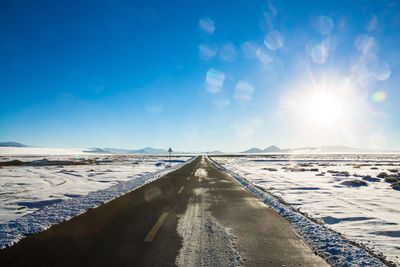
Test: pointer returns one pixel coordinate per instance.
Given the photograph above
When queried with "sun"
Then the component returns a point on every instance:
(326, 109)
(326, 105)
(323, 108)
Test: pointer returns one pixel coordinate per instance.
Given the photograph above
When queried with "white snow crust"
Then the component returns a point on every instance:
(329, 215)
(32, 198)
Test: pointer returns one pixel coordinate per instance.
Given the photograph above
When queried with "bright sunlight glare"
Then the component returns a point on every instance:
(323, 108)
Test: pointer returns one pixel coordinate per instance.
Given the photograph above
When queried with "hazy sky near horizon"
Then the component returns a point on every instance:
(200, 75)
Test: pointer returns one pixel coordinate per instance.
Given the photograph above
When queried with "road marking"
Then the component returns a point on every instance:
(150, 236)
(180, 190)
(188, 178)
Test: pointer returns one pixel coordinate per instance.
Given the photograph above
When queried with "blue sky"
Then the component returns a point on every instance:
(200, 75)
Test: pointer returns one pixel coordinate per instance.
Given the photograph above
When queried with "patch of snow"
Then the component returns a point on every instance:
(34, 198)
(40, 151)
(201, 173)
(334, 247)
(205, 242)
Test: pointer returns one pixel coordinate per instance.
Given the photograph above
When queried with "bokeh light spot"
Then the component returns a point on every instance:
(379, 96)
(207, 51)
(274, 40)
(249, 49)
(323, 24)
(214, 81)
(381, 70)
(319, 52)
(243, 92)
(263, 55)
(227, 53)
(365, 43)
(207, 25)
(372, 23)
(369, 68)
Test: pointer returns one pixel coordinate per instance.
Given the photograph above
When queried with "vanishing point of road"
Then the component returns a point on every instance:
(193, 216)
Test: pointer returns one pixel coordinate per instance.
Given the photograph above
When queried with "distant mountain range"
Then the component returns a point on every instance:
(11, 144)
(146, 150)
(321, 149)
(270, 149)
(253, 150)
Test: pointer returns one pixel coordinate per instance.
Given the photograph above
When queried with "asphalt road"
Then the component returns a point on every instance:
(194, 216)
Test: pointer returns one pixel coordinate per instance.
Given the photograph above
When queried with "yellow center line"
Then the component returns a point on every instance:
(150, 236)
(180, 190)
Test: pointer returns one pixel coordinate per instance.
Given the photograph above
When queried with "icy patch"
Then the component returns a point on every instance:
(336, 249)
(205, 241)
(14, 230)
(201, 173)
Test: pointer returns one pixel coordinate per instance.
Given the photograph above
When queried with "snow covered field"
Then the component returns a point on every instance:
(43, 190)
(348, 193)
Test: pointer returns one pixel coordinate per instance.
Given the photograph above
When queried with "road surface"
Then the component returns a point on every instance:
(194, 216)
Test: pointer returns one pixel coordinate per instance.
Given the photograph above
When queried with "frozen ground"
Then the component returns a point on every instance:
(24, 151)
(43, 190)
(344, 192)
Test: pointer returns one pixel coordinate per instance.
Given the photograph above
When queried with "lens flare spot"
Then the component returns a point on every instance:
(365, 43)
(214, 81)
(227, 53)
(319, 52)
(264, 56)
(381, 70)
(369, 68)
(323, 24)
(207, 51)
(207, 25)
(274, 40)
(243, 92)
(372, 23)
(379, 96)
(249, 49)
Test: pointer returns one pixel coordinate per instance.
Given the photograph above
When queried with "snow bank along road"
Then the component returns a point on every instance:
(194, 216)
